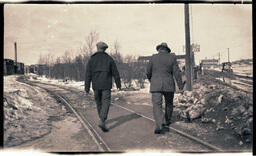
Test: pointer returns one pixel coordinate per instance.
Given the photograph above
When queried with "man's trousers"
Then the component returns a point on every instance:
(102, 99)
(157, 107)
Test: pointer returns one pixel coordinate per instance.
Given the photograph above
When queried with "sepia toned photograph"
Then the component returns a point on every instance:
(161, 77)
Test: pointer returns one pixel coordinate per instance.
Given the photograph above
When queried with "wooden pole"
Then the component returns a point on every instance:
(188, 51)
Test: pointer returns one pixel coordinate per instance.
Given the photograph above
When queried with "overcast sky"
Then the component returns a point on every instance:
(139, 28)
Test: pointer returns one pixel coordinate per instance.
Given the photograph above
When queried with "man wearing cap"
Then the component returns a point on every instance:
(100, 70)
(160, 71)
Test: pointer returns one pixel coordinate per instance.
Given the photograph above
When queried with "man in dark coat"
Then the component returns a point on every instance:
(160, 71)
(100, 70)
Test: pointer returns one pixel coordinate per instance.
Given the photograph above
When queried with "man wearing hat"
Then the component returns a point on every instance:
(100, 70)
(160, 71)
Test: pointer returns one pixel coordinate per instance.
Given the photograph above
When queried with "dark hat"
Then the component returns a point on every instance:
(102, 45)
(164, 45)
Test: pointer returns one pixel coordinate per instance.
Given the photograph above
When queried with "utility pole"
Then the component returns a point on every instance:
(15, 51)
(228, 54)
(188, 50)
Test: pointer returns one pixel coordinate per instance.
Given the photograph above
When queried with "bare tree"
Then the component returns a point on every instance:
(139, 70)
(116, 53)
(129, 59)
(66, 59)
(136, 70)
(88, 48)
(58, 69)
(79, 68)
(117, 47)
(41, 59)
(49, 62)
(44, 64)
(90, 42)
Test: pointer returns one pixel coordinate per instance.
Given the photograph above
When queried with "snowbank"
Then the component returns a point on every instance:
(26, 112)
(225, 108)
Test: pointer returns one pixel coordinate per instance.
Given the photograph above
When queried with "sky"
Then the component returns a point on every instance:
(40, 29)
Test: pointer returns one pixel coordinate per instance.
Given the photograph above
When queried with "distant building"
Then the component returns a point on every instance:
(210, 63)
(42, 69)
(144, 58)
(180, 60)
(33, 69)
(20, 68)
(8, 67)
(26, 69)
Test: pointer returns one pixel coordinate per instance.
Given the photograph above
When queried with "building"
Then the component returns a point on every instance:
(210, 63)
(20, 68)
(26, 69)
(8, 67)
(33, 69)
(42, 69)
(144, 59)
(180, 60)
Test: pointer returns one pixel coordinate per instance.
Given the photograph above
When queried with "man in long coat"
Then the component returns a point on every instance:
(161, 70)
(100, 70)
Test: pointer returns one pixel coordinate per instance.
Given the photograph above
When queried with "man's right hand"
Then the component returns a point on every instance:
(183, 84)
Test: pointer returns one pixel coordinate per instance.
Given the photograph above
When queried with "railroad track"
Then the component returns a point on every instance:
(234, 81)
(101, 143)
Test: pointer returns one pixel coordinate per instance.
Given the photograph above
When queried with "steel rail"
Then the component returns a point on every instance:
(208, 145)
(85, 123)
(96, 137)
(217, 149)
(227, 84)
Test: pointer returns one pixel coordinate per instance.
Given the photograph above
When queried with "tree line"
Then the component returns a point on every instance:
(72, 67)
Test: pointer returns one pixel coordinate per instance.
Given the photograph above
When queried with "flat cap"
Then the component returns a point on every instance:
(102, 45)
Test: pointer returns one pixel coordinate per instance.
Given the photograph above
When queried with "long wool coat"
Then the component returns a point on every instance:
(161, 70)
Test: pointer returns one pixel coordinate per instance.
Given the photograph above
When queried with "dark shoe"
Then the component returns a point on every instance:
(103, 128)
(166, 124)
(159, 131)
(166, 129)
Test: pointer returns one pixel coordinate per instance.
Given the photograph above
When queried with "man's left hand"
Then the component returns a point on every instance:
(181, 92)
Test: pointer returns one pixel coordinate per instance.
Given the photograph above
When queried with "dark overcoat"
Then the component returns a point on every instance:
(161, 70)
(100, 70)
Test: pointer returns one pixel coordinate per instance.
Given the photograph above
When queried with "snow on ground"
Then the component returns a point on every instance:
(243, 69)
(135, 93)
(69, 83)
(26, 112)
(197, 104)
(80, 84)
(27, 109)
